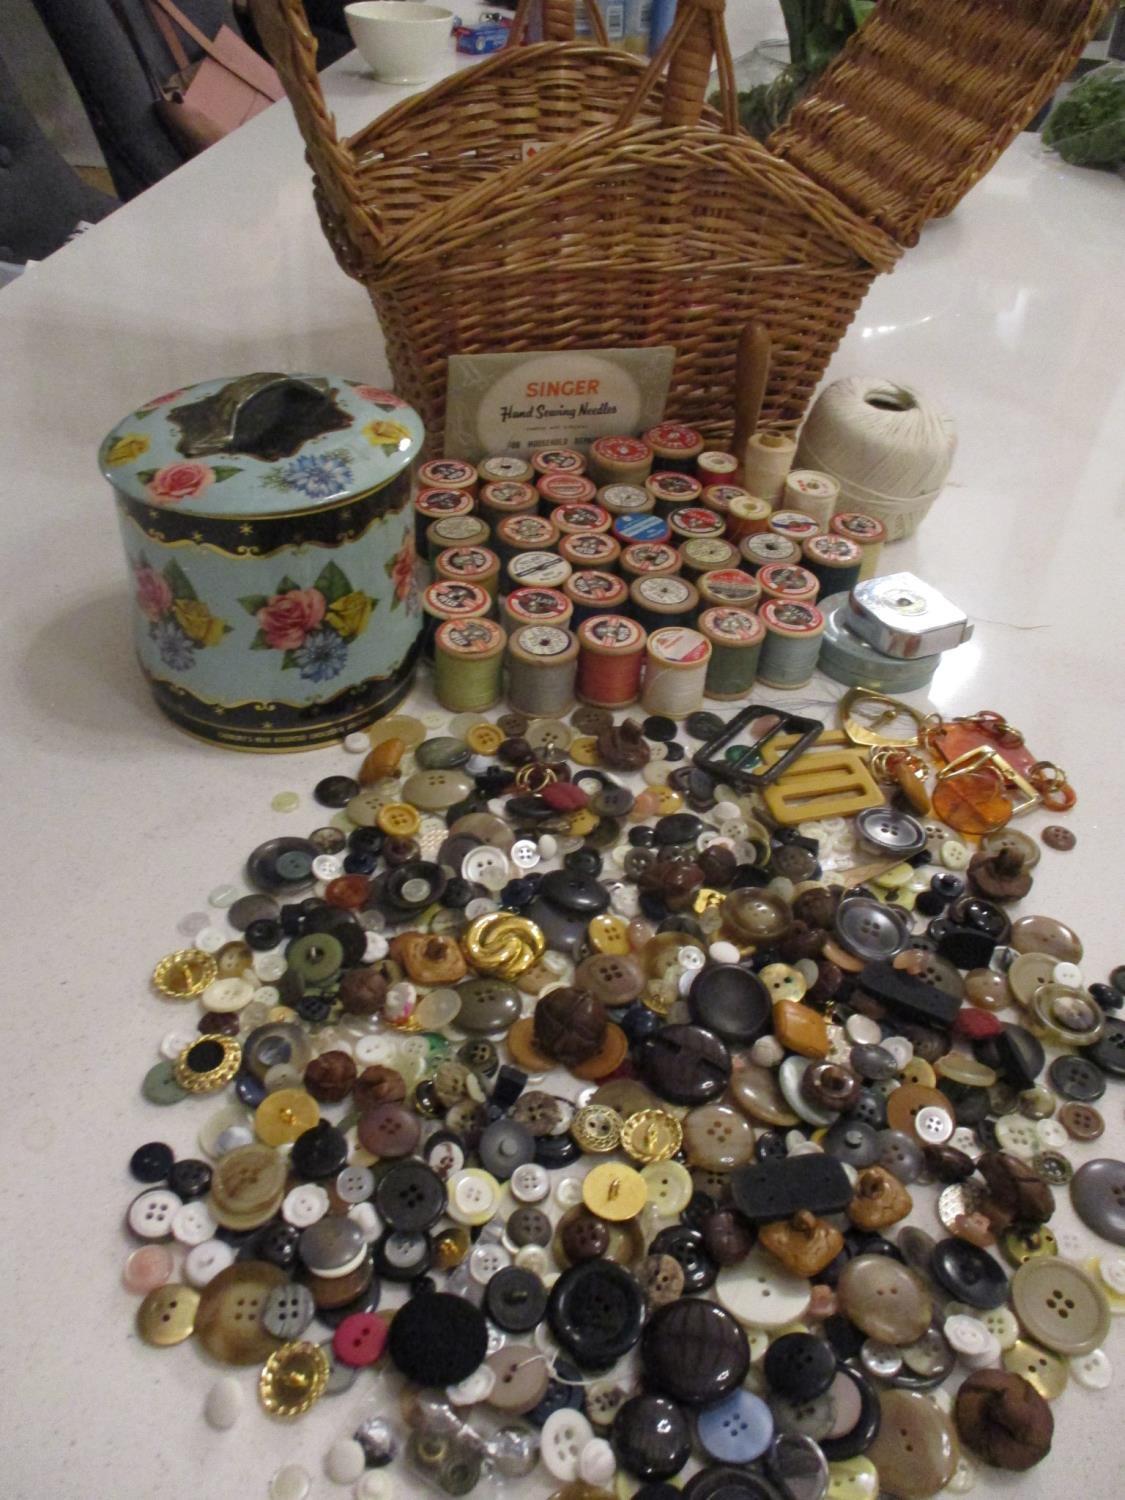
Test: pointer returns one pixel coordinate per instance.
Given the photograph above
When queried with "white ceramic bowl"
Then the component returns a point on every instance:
(401, 41)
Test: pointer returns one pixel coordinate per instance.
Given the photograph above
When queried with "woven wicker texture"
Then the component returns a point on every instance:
(645, 217)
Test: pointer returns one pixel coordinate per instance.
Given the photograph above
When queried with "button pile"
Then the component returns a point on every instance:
(553, 1078)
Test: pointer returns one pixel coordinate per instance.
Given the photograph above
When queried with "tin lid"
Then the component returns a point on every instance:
(865, 530)
(695, 520)
(665, 591)
(674, 437)
(611, 635)
(789, 617)
(537, 604)
(727, 625)
(793, 523)
(624, 499)
(467, 562)
(527, 531)
(833, 551)
(471, 638)
(448, 599)
(435, 503)
(589, 586)
(676, 646)
(543, 643)
(622, 450)
(787, 580)
(730, 586)
(677, 489)
(586, 547)
(722, 496)
(261, 445)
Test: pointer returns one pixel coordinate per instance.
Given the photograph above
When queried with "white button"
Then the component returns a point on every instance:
(862, 1029)
(1111, 1268)
(1051, 1134)
(192, 1224)
(304, 1205)
(403, 1249)
(964, 1139)
(486, 866)
(376, 1049)
(533, 1258)
(475, 1387)
(204, 1262)
(175, 1042)
(368, 1220)
(151, 1214)
(548, 845)
(568, 1191)
(723, 952)
(767, 1052)
(761, 1292)
(964, 1477)
(375, 947)
(486, 1260)
(345, 1461)
(1002, 1325)
(530, 1183)
(473, 1196)
(596, 1464)
(565, 1433)
(269, 966)
(355, 1184)
(357, 743)
(1068, 974)
(223, 996)
(900, 1049)
(690, 958)
(525, 854)
(1015, 1134)
(1093, 1370)
(267, 995)
(933, 1125)
(372, 1486)
(210, 939)
(480, 906)
(327, 866)
(224, 1403)
(955, 855)
(970, 1338)
(290, 1483)
(669, 1187)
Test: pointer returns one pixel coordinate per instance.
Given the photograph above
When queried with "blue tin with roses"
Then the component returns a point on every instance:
(268, 529)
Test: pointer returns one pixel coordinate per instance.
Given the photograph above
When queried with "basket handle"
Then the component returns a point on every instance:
(558, 21)
(284, 30)
(697, 34)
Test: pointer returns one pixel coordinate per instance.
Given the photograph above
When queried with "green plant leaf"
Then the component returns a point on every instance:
(287, 586)
(252, 603)
(225, 471)
(333, 583)
(288, 661)
(259, 643)
(860, 10)
(146, 476)
(177, 581)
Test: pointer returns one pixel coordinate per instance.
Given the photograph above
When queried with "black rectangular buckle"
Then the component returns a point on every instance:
(709, 759)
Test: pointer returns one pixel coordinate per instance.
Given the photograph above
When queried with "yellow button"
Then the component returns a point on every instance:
(582, 822)
(669, 1187)
(167, 1314)
(609, 935)
(293, 1379)
(584, 750)
(402, 727)
(1039, 1367)
(853, 1479)
(891, 879)
(783, 982)
(282, 1117)
(668, 800)
(614, 1191)
(919, 1071)
(485, 739)
(184, 974)
(597, 1128)
(229, 1321)
(398, 819)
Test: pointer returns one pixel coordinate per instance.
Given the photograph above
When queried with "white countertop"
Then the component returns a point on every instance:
(117, 825)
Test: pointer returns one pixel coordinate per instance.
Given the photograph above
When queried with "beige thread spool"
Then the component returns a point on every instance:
(558, 461)
(434, 505)
(542, 569)
(688, 521)
(468, 657)
(447, 474)
(619, 460)
(445, 600)
(559, 488)
(594, 592)
(675, 671)
(507, 497)
(867, 533)
(591, 549)
(542, 662)
(505, 468)
(769, 457)
(533, 606)
(587, 516)
(705, 554)
(811, 493)
(455, 531)
(478, 565)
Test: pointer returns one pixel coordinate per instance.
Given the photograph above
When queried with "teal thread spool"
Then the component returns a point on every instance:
(791, 646)
(736, 637)
(834, 561)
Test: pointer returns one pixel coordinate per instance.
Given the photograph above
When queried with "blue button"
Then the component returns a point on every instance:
(736, 1430)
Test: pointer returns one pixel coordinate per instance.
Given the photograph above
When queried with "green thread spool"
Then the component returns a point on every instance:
(468, 657)
(834, 561)
(736, 637)
(792, 643)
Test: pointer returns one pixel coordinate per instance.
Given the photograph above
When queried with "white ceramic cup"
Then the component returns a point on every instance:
(401, 41)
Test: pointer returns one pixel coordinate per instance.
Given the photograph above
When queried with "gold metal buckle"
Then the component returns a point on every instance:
(986, 756)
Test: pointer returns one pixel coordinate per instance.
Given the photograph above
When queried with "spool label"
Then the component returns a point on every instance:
(592, 545)
(781, 578)
(722, 496)
(695, 521)
(622, 450)
(747, 507)
(470, 560)
(625, 497)
(536, 604)
(676, 644)
(505, 466)
(672, 437)
(664, 590)
(833, 549)
(508, 493)
(566, 488)
(447, 471)
(455, 529)
(738, 626)
(768, 547)
(648, 557)
(811, 483)
(796, 618)
(674, 486)
(558, 461)
(539, 567)
(612, 632)
(543, 640)
(718, 462)
(442, 502)
(469, 637)
(793, 524)
(864, 528)
(641, 529)
(452, 598)
(582, 517)
(526, 529)
(706, 552)
(731, 584)
(595, 586)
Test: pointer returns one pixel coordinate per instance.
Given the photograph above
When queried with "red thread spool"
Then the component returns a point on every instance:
(611, 652)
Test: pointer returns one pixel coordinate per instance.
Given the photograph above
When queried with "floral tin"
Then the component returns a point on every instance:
(270, 540)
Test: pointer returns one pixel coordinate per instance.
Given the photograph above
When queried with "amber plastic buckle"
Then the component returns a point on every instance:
(734, 772)
(986, 756)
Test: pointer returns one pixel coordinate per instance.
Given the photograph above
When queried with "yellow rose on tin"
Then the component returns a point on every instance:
(349, 615)
(197, 622)
(386, 434)
(129, 446)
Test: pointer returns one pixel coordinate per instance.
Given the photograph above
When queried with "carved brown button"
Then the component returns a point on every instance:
(1003, 1419)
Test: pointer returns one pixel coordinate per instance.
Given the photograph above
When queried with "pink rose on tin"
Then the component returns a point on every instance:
(179, 482)
(377, 396)
(287, 619)
(154, 595)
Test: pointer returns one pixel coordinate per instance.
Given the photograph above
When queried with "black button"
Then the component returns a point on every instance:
(556, 1150)
(684, 1064)
(732, 1002)
(584, 861)
(724, 1482)
(152, 1162)
(263, 934)
(336, 791)
(658, 727)
(528, 1226)
(410, 1196)
(968, 1273)
(1015, 1054)
(596, 1311)
(694, 1351)
(862, 1435)
(686, 1247)
(564, 1389)
(571, 891)
(277, 1244)
(437, 1339)
(702, 725)
(1109, 1050)
(320, 1152)
(1076, 1078)
(651, 1438)
(1107, 996)
(515, 1299)
(5, 156)
(799, 1366)
(190, 1178)
(411, 887)
(678, 828)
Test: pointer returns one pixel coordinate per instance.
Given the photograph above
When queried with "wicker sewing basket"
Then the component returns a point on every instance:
(644, 216)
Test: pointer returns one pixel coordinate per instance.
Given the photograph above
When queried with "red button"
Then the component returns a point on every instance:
(976, 1024)
(359, 1340)
(564, 796)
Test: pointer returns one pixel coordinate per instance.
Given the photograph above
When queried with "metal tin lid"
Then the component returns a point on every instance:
(261, 445)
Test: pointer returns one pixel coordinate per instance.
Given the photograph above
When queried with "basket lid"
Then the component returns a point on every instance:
(260, 445)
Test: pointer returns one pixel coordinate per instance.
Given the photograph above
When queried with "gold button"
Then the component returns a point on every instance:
(1028, 1242)
(609, 935)
(919, 1072)
(485, 739)
(167, 1314)
(582, 822)
(597, 1128)
(398, 819)
(668, 801)
(1039, 1367)
(282, 1117)
(229, 1321)
(614, 1192)
(184, 974)
(652, 1135)
(502, 944)
(195, 1080)
(451, 1247)
(293, 1379)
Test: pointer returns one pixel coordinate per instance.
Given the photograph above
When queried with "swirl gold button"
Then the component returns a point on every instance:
(182, 975)
(652, 1135)
(501, 944)
(293, 1379)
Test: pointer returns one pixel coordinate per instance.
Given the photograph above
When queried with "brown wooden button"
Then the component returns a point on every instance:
(907, 1100)
(915, 1449)
(1081, 1121)
(521, 1044)
(885, 1299)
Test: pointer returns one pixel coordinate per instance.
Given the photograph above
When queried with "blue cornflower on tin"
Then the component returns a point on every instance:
(176, 651)
(320, 476)
(322, 656)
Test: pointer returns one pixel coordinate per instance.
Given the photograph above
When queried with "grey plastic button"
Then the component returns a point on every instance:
(871, 930)
(892, 831)
(901, 1154)
(504, 1146)
(288, 1311)
(332, 1246)
(1097, 1191)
